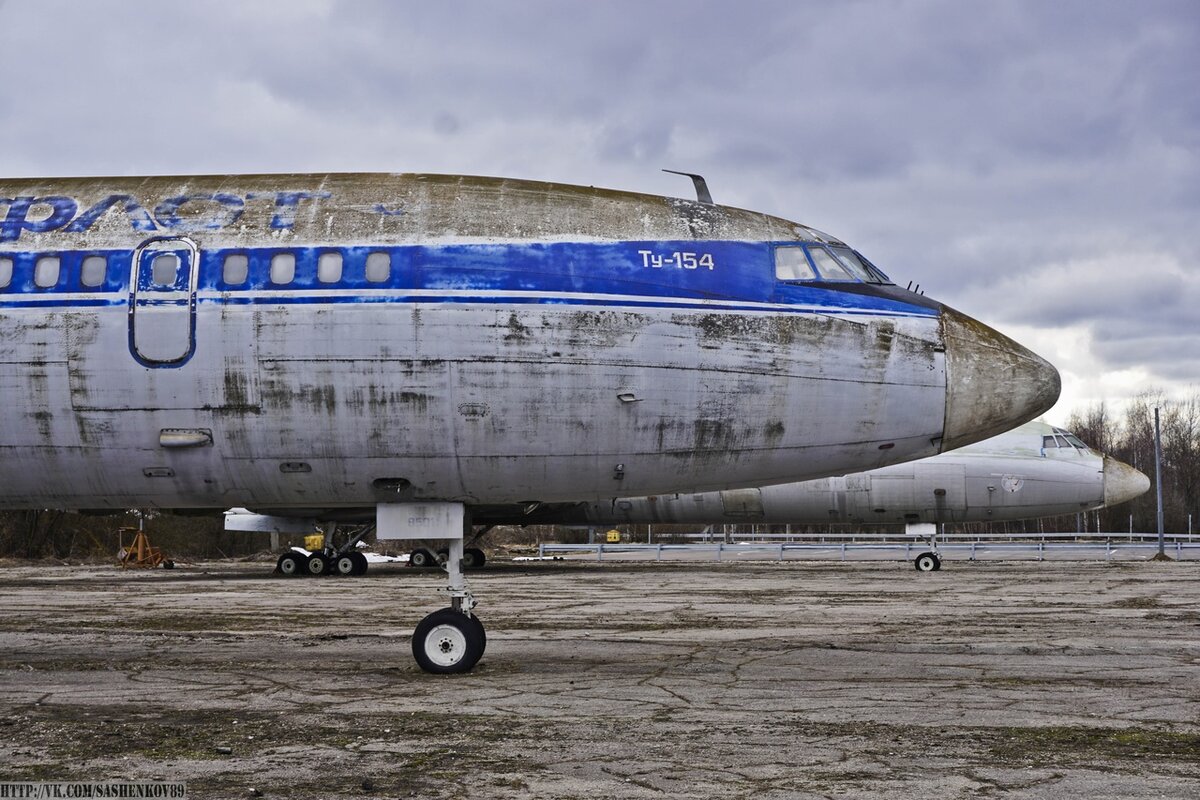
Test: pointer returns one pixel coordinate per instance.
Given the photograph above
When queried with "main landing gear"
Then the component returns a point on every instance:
(422, 557)
(472, 557)
(330, 560)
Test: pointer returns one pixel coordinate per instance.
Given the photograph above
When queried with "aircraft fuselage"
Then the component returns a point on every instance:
(1032, 471)
(338, 341)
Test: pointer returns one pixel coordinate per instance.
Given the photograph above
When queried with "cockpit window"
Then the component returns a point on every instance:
(879, 274)
(851, 263)
(830, 268)
(1062, 439)
(831, 261)
(792, 265)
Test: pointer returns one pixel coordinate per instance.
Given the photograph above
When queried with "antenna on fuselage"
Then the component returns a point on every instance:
(701, 187)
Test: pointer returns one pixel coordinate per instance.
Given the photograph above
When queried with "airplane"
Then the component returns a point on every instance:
(405, 350)
(1034, 470)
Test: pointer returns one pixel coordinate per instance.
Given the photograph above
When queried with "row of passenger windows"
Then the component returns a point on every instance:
(235, 269)
(813, 262)
(47, 269)
(330, 267)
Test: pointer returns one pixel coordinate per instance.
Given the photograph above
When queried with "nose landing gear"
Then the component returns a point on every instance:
(927, 562)
(450, 640)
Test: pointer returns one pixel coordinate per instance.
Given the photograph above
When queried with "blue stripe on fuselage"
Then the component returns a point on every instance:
(560, 272)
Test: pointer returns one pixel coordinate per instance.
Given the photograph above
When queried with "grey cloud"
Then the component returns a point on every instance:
(968, 146)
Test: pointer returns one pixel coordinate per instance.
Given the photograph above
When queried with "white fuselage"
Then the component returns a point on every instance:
(1021, 474)
(331, 342)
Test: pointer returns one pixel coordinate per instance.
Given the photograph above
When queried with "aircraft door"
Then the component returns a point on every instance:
(162, 302)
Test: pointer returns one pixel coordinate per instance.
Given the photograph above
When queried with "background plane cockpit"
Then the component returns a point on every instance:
(1064, 443)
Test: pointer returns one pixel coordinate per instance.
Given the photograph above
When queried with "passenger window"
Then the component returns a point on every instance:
(46, 271)
(164, 270)
(829, 267)
(235, 270)
(379, 267)
(283, 268)
(93, 270)
(329, 267)
(6, 265)
(792, 265)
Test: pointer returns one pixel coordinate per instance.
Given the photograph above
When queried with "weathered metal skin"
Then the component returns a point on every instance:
(1008, 477)
(524, 345)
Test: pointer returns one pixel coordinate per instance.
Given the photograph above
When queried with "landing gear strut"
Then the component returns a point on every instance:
(450, 640)
(928, 561)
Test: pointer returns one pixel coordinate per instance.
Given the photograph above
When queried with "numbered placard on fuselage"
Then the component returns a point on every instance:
(677, 259)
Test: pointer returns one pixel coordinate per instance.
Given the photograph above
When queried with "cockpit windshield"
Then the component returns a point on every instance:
(852, 263)
(830, 268)
(820, 262)
(1064, 440)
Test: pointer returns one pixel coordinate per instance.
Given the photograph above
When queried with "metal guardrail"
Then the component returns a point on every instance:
(809, 538)
(1178, 549)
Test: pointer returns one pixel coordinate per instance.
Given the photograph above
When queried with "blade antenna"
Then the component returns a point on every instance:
(701, 187)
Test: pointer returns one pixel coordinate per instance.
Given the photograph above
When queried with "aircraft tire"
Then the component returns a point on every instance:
(473, 558)
(482, 633)
(927, 562)
(290, 564)
(344, 565)
(316, 565)
(421, 558)
(448, 642)
(360, 563)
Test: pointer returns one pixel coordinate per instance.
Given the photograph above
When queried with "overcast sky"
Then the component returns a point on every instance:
(1035, 164)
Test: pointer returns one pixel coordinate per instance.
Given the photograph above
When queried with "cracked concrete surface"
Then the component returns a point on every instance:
(616, 680)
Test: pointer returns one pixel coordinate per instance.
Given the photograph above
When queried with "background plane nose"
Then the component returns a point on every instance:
(1122, 482)
(993, 384)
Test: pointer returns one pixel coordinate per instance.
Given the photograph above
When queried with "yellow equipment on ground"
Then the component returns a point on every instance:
(140, 554)
(614, 536)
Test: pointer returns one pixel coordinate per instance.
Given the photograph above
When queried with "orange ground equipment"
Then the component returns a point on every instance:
(140, 554)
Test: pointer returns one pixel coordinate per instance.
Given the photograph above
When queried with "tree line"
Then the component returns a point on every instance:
(1130, 438)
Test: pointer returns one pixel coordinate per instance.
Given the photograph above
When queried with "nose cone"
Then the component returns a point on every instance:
(1122, 482)
(993, 384)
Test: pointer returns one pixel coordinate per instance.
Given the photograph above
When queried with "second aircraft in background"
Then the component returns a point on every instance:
(1035, 470)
